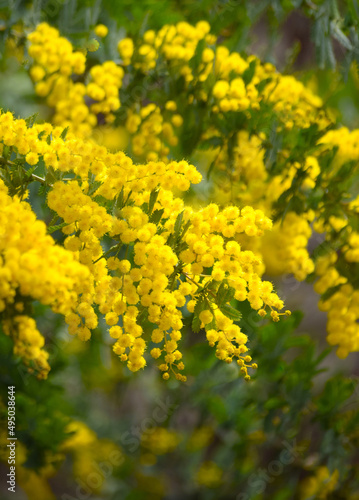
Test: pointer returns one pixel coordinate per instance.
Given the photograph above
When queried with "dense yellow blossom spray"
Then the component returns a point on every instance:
(270, 144)
(164, 258)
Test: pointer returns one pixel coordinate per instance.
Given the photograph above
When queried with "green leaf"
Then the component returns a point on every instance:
(230, 312)
(52, 229)
(273, 403)
(153, 199)
(174, 238)
(212, 142)
(94, 187)
(196, 324)
(336, 391)
(41, 134)
(199, 307)
(339, 36)
(212, 325)
(157, 216)
(249, 72)
(51, 176)
(218, 408)
(210, 169)
(185, 228)
(178, 224)
(144, 24)
(119, 203)
(225, 293)
(330, 292)
(330, 53)
(64, 133)
(298, 341)
(31, 170)
(31, 120)
(196, 60)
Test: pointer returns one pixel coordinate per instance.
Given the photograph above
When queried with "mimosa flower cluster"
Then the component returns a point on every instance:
(152, 132)
(321, 484)
(55, 61)
(342, 305)
(164, 256)
(86, 448)
(177, 44)
(159, 441)
(243, 94)
(32, 266)
(266, 135)
(284, 250)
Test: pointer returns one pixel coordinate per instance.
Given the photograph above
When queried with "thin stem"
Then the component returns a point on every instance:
(40, 179)
(198, 285)
(114, 247)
